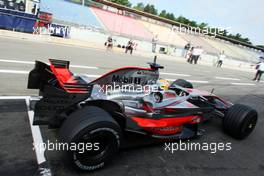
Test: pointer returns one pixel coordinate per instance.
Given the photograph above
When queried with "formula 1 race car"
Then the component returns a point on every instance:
(127, 100)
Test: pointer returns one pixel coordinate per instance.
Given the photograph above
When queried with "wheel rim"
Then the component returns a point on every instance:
(107, 145)
(249, 125)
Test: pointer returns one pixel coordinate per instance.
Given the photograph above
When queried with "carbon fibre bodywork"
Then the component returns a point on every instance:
(165, 114)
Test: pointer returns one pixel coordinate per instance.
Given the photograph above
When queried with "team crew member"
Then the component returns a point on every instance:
(260, 71)
(21, 6)
(130, 46)
(2, 4)
(187, 47)
(154, 43)
(189, 55)
(109, 43)
(221, 59)
(196, 53)
(10, 4)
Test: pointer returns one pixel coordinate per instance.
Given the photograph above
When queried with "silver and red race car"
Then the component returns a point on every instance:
(126, 100)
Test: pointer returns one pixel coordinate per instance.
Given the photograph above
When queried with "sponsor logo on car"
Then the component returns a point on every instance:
(126, 80)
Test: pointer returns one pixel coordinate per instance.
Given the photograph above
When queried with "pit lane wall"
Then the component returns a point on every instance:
(144, 48)
(18, 21)
(95, 40)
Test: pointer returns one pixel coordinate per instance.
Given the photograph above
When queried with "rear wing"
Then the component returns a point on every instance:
(60, 91)
(57, 74)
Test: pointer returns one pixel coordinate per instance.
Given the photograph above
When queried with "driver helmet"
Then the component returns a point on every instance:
(163, 84)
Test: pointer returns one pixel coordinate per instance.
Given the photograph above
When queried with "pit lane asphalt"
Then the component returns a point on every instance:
(245, 158)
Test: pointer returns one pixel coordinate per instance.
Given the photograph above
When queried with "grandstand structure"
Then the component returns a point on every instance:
(69, 13)
(120, 24)
(104, 18)
(142, 27)
(164, 33)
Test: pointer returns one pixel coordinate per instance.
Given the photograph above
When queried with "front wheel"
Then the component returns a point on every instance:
(240, 121)
(183, 83)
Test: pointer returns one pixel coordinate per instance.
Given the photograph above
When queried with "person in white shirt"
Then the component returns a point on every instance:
(260, 70)
(189, 55)
(154, 43)
(196, 53)
(221, 59)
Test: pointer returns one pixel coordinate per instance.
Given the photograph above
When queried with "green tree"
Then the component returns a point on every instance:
(202, 25)
(140, 6)
(247, 40)
(193, 23)
(170, 16)
(239, 38)
(122, 2)
(150, 9)
(163, 14)
(225, 33)
(183, 20)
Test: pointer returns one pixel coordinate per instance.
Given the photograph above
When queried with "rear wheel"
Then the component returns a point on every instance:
(240, 121)
(96, 135)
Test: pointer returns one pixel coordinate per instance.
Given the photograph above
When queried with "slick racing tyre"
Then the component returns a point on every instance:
(240, 121)
(183, 83)
(95, 129)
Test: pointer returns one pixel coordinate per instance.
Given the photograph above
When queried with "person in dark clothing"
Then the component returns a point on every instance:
(2, 4)
(34, 9)
(221, 59)
(109, 43)
(129, 47)
(21, 6)
(187, 47)
(260, 71)
(10, 4)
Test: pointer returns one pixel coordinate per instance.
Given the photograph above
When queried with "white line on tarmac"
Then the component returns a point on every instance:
(13, 97)
(36, 134)
(192, 81)
(226, 78)
(38, 141)
(243, 84)
(37, 137)
(175, 74)
(16, 61)
(26, 72)
(32, 63)
(198, 81)
(15, 71)
(83, 66)
(91, 76)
